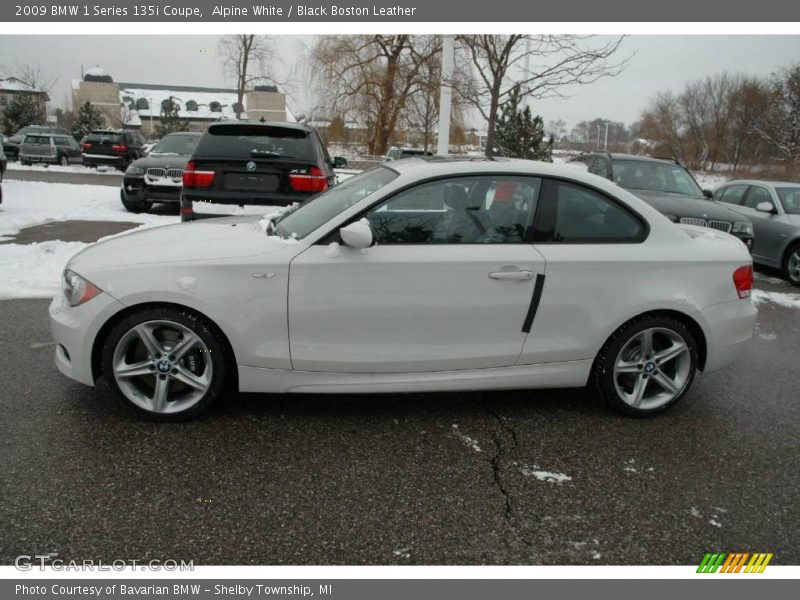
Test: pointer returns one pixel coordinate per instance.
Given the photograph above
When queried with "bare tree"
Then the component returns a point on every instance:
(250, 60)
(35, 77)
(779, 125)
(371, 78)
(502, 62)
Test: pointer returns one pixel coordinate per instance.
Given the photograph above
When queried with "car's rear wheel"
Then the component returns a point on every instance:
(791, 265)
(165, 364)
(647, 365)
(135, 206)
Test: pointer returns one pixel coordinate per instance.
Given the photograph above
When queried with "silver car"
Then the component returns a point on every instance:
(774, 209)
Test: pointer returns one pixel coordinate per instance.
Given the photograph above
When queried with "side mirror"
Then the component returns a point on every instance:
(708, 194)
(765, 207)
(339, 162)
(357, 235)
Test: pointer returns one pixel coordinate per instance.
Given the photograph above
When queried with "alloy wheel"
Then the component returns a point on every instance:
(793, 266)
(652, 368)
(162, 366)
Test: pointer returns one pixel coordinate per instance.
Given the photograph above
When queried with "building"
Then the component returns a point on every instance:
(140, 105)
(11, 87)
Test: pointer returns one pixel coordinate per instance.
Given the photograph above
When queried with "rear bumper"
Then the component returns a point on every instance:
(198, 204)
(728, 327)
(38, 158)
(92, 160)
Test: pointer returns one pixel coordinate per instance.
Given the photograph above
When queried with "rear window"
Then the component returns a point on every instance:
(37, 139)
(112, 138)
(257, 141)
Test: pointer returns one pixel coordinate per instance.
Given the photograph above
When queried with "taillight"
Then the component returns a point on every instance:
(119, 148)
(310, 180)
(192, 178)
(743, 281)
(86, 146)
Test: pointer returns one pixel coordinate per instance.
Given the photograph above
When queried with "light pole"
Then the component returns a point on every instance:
(445, 96)
(605, 143)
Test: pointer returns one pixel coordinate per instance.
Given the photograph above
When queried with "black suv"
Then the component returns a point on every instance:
(251, 163)
(667, 186)
(118, 148)
(158, 176)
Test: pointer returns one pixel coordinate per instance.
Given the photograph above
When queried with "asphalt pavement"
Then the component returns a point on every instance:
(523, 477)
(57, 175)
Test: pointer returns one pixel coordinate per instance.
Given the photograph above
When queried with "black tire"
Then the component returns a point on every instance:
(785, 266)
(210, 337)
(603, 372)
(137, 206)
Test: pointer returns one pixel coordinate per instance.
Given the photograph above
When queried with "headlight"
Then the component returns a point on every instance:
(77, 290)
(672, 218)
(134, 171)
(744, 227)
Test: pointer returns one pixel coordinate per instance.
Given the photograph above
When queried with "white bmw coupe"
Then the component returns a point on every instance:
(421, 275)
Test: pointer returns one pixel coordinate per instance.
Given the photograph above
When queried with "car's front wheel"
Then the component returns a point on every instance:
(647, 365)
(165, 364)
(135, 206)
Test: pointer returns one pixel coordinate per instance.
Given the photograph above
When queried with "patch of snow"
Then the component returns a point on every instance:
(472, 443)
(540, 475)
(770, 337)
(715, 523)
(34, 270)
(785, 299)
(597, 556)
(402, 552)
(78, 169)
(695, 513)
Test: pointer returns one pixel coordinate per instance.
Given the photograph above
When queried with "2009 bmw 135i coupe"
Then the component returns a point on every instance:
(423, 275)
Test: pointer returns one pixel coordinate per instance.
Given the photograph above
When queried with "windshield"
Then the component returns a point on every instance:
(176, 144)
(790, 198)
(655, 176)
(316, 211)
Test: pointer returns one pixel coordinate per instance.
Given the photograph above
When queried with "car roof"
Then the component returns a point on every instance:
(251, 123)
(191, 133)
(624, 156)
(761, 182)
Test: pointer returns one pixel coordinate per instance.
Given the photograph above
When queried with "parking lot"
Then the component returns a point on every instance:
(522, 477)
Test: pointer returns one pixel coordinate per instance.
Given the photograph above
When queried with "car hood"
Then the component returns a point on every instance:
(687, 206)
(164, 161)
(211, 239)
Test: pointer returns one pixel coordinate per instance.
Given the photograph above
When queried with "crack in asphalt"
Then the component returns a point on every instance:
(501, 449)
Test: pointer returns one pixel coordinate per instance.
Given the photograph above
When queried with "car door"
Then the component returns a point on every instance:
(597, 274)
(770, 229)
(448, 285)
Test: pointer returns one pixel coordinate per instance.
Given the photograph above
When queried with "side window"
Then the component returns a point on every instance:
(756, 196)
(61, 141)
(463, 210)
(732, 194)
(600, 166)
(572, 214)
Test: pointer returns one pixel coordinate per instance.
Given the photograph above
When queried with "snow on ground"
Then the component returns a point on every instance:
(34, 270)
(785, 299)
(540, 475)
(80, 169)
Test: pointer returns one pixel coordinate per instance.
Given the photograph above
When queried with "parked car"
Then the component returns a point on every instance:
(425, 275)
(251, 163)
(118, 148)
(11, 144)
(774, 209)
(396, 153)
(158, 176)
(668, 187)
(49, 149)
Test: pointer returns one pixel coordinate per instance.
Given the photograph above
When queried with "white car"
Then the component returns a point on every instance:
(420, 275)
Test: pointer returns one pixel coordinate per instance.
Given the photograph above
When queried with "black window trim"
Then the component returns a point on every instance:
(645, 231)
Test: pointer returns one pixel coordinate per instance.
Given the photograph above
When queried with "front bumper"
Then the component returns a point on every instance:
(728, 327)
(135, 189)
(75, 329)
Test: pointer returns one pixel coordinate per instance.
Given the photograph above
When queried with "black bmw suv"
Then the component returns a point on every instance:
(241, 163)
(667, 186)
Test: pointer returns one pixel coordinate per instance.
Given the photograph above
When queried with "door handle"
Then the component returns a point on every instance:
(512, 275)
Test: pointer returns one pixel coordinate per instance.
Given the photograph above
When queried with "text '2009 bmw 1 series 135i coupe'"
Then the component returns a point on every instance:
(420, 275)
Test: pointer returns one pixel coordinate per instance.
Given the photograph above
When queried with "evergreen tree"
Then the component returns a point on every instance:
(87, 119)
(518, 134)
(24, 109)
(170, 119)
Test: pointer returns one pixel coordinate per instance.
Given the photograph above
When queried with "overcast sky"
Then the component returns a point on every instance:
(658, 63)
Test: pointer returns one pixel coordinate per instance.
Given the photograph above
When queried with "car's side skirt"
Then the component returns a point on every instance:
(546, 375)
